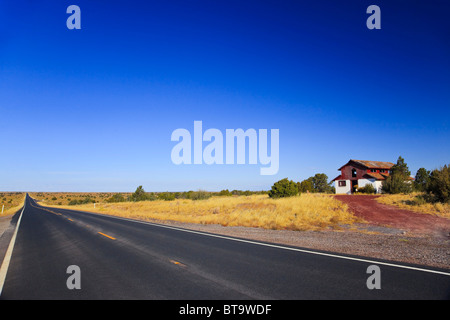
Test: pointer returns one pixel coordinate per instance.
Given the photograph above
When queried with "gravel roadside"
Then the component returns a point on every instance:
(4, 223)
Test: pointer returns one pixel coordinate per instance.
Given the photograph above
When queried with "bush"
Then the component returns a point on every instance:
(368, 188)
(118, 197)
(139, 195)
(84, 201)
(200, 195)
(167, 196)
(225, 193)
(283, 188)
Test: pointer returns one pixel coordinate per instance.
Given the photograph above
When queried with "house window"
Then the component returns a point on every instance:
(383, 171)
(342, 183)
(353, 173)
(373, 170)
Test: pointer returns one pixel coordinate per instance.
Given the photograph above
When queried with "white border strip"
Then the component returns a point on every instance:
(7, 258)
(273, 245)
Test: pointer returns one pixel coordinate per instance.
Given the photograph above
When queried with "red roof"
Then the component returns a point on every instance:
(337, 178)
(377, 176)
(371, 164)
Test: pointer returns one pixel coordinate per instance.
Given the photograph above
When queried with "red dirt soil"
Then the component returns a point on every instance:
(373, 212)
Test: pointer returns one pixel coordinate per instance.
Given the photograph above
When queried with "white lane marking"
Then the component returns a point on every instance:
(274, 245)
(7, 258)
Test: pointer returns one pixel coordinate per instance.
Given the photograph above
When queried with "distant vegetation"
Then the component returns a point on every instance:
(428, 193)
(434, 186)
(11, 202)
(141, 195)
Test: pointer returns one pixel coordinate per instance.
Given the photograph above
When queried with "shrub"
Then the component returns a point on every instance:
(200, 195)
(225, 192)
(139, 195)
(368, 188)
(84, 201)
(167, 196)
(118, 197)
(283, 188)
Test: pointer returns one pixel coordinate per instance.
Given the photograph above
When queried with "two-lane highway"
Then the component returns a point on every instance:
(125, 259)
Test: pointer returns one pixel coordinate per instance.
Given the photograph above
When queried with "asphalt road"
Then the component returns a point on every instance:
(124, 259)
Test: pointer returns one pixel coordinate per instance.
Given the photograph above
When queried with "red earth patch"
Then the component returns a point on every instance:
(373, 212)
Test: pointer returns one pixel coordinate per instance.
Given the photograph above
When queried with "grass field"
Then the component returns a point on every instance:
(12, 201)
(305, 212)
(415, 202)
(64, 198)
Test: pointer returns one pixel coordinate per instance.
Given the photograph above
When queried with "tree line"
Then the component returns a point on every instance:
(141, 195)
(434, 184)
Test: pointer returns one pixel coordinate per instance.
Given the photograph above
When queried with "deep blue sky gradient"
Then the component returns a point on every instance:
(94, 109)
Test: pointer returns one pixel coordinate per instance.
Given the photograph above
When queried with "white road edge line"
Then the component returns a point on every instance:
(275, 245)
(7, 258)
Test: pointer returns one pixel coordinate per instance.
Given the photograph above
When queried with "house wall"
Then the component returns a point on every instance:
(343, 190)
(376, 184)
(346, 171)
(363, 182)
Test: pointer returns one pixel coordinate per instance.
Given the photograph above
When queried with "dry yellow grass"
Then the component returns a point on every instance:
(12, 202)
(414, 202)
(305, 212)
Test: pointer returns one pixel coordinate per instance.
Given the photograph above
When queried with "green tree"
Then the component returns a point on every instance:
(139, 194)
(398, 180)
(320, 183)
(401, 168)
(305, 186)
(439, 185)
(283, 188)
(422, 179)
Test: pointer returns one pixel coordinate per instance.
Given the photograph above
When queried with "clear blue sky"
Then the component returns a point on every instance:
(94, 109)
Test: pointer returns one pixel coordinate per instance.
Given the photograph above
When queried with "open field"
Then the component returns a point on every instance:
(64, 198)
(415, 202)
(12, 201)
(305, 212)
